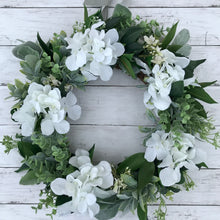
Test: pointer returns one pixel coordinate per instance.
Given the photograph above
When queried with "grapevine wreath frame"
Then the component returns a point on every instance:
(143, 50)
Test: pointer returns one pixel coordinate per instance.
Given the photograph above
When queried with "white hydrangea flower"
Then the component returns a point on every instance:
(187, 155)
(84, 185)
(171, 70)
(69, 105)
(43, 99)
(83, 200)
(94, 52)
(158, 146)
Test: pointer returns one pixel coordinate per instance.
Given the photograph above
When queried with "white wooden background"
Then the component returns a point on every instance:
(112, 111)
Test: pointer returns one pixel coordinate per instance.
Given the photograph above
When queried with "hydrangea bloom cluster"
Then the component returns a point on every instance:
(94, 52)
(84, 185)
(175, 152)
(42, 100)
(161, 79)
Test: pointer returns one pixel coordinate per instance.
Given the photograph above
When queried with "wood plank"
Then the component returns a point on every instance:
(110, 106)
(198, 20)
(207, 182)
(24, 212)
(11, 71)
(113, 144)
(130, 3)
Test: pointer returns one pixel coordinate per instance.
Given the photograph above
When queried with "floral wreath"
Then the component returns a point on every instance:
(141, 49)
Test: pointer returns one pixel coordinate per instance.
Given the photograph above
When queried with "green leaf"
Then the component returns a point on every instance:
(21, 51)
(201, 94)
(206, 84)
(200, 165)
(112, 22)
(181, 38)
(86, 16)
(122, 11)
(23, 167)
(133, 162)
(108, 211)
(142, 215)
(190, 68)
(62, 199)
(29, 178)
(145, 174)
(169, 37)
(132, 34)
(129, 180)
(177, 89)
(134, 48)
(91, 152)
(184, 50)
(201, 109)
(127, 64)
(27, 149)
(44, 46)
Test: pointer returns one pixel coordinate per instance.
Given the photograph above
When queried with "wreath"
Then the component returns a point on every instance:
(172, 94)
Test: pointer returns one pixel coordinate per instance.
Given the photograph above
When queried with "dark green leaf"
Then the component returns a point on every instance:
(91, 152)
(169, 37)
(201, 94)
(27, 149)
(190, 68)
(142, 215)
(133, 162)
(133, 48)
(29, 178)
(127, 64)
(132, 34)
(173, 189)
(201, 109)
(122, 11)
(206, 84)
(62, 199)
(23, 167)
(112, 22)
(145, 174)
(177, 89)
(202, 165)
(44, 46)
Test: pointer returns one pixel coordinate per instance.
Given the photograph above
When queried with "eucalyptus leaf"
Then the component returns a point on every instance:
(181, 38)
(129, 180)
(122, 11)
(29, 178)
(21, 51)
(184, 50)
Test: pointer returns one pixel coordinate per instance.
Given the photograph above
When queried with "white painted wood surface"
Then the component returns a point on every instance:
(112, 111)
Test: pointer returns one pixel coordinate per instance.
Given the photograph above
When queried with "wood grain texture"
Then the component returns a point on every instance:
(130, 3)
(103, 105)
(24, 212)
(26, 22)
(113, 143)
(109, 120)
(206, 191)
(11, 71)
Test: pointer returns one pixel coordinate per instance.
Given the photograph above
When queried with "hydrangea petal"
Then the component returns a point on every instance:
(74, 112)
(62, 127)
(47, 127)
(150, 154)
(112, 35)
(58, 186)
(169, 176)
